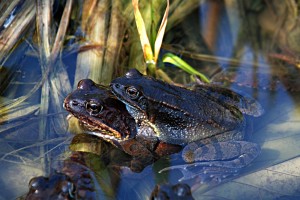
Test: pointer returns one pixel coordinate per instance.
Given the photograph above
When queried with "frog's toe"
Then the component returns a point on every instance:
(188, 153)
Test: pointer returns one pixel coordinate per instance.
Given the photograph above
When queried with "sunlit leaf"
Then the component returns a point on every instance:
(148, 53)
(160, 33)
(178, 62)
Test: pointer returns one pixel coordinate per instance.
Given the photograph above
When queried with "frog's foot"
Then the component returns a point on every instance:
(231, 154)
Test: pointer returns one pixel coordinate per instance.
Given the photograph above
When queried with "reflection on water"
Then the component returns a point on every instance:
(27, 153)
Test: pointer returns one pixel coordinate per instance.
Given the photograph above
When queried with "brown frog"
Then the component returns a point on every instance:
(102, 114)
(212, 116)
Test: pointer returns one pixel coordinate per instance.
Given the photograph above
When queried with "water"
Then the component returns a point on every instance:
(27, 150)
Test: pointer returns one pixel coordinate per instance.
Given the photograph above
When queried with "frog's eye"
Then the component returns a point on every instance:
(93, 107)
(132, 92)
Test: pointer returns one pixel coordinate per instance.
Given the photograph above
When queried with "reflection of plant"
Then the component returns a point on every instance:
(151, 52)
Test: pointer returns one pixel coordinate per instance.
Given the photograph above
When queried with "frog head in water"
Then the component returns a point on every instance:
(100, 112)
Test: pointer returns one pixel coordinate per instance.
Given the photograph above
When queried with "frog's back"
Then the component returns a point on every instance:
(192, 103)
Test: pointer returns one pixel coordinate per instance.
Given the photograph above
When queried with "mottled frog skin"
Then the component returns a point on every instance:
(206, 115)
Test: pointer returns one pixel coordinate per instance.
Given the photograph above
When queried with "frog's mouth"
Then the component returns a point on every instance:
(94, 127)
(101, 130)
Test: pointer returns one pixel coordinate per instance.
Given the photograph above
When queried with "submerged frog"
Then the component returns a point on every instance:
(176, 115)
(71, 179)
(58, 186)
(102, 114)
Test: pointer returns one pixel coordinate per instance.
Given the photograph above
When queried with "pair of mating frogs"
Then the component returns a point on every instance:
(148, 119)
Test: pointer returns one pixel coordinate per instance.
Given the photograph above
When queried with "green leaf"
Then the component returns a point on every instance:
(178, 62)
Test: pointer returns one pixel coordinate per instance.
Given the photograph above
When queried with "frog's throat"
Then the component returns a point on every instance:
(136, 113)
(141, 119)
(155, 129)
(147, 129)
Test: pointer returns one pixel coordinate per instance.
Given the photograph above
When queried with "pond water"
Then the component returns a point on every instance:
(37, 143)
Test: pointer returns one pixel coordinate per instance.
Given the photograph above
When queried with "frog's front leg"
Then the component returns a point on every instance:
(230, 154)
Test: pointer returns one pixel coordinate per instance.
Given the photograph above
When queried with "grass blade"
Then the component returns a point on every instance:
(146, 46)
(43, 22)
(178, 62)
(59, 39)
(91, 55)
(160, 33)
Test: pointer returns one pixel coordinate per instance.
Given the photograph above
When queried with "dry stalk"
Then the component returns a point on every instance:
(6, 8)
(10, 36)
(48, 54)
(43, 24)
(59, 82)
(114, 41)
(91, 56)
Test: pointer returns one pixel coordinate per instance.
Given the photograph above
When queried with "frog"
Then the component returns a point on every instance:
(208, 118)
(70, 179)
(57, 186)
(101, 114)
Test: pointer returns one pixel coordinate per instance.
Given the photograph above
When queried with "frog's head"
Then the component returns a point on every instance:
(143, 94)
(99, 112)
(129, 90)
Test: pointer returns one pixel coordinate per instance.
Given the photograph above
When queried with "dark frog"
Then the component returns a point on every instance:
(179, 115)
(208, 114)
(100, 113)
